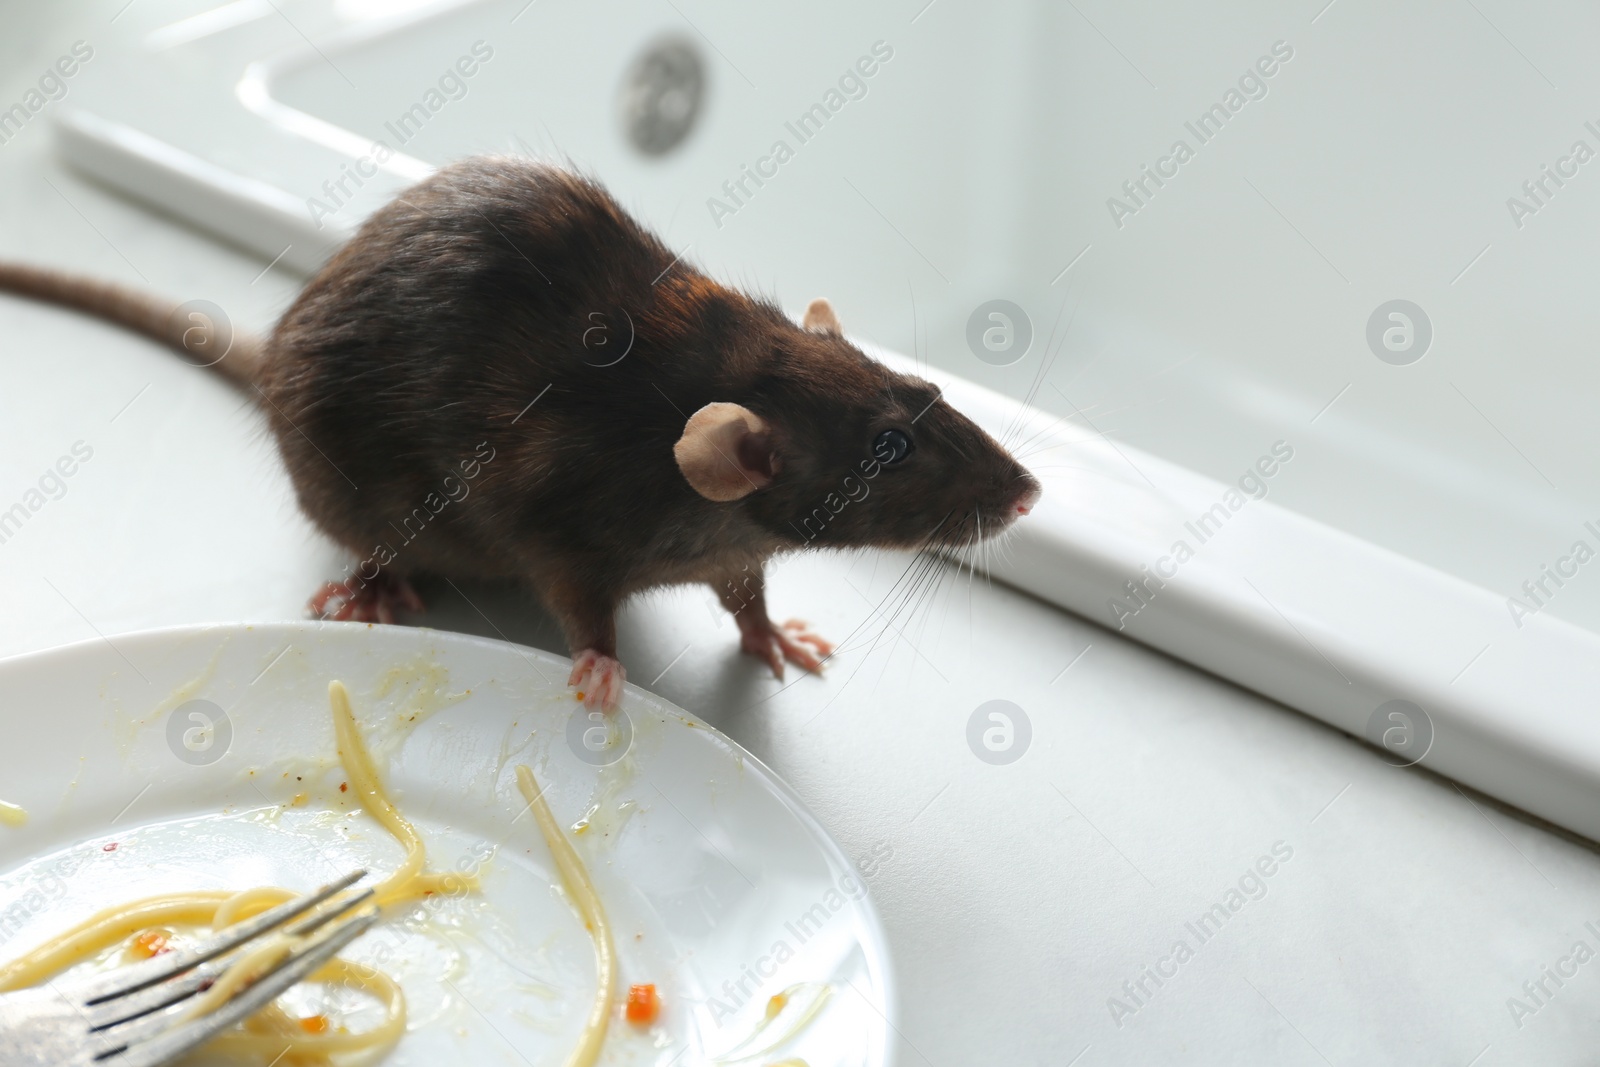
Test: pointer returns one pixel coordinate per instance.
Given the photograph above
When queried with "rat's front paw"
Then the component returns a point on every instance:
(793, 641)
(598, 679)
(365, 601)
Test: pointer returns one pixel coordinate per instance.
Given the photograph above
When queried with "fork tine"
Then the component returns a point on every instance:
(128, 1010)
(317, 919)
(138, 1009)
(294, 968)
(139, 976)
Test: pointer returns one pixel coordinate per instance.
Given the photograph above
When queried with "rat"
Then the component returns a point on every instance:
(503, 375)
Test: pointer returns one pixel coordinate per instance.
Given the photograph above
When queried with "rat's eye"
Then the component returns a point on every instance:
(891, 447)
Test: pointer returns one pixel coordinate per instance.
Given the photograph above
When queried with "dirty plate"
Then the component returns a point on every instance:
(203, 758)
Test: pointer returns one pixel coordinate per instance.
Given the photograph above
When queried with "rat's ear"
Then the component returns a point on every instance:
(821, 319)
(726, 452)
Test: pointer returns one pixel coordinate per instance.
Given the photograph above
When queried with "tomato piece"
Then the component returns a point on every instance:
(151, 943)
(643, 1004)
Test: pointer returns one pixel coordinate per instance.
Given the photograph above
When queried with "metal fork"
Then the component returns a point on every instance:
(137, 1016)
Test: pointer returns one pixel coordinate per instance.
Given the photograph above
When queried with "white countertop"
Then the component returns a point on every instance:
(1018, 898)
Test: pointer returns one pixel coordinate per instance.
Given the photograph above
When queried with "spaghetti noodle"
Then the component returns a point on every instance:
(271, 1032)
(575, 879)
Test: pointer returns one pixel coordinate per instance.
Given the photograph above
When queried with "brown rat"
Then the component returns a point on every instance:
(503, 375)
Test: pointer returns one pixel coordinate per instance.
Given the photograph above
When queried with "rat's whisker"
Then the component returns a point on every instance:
(1050, 355)
(906, 598)
(898, 590)
(1052, 351)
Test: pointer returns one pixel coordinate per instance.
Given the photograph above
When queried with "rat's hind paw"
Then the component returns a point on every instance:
(373, 601)
(793, 641)
(598, 679)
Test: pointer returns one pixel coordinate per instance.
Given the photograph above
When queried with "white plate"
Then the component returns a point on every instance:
(709, 867)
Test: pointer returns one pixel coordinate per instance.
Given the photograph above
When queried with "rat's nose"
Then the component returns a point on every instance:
(1028, 499)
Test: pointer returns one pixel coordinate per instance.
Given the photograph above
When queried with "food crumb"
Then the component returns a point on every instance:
(344, 787)
(109, 848)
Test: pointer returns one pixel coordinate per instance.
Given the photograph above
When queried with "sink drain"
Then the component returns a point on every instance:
(661, 96)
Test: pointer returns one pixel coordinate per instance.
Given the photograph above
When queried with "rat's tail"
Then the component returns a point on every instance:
(197, 331)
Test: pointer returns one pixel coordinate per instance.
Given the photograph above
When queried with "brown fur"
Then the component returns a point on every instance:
(422, 343)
